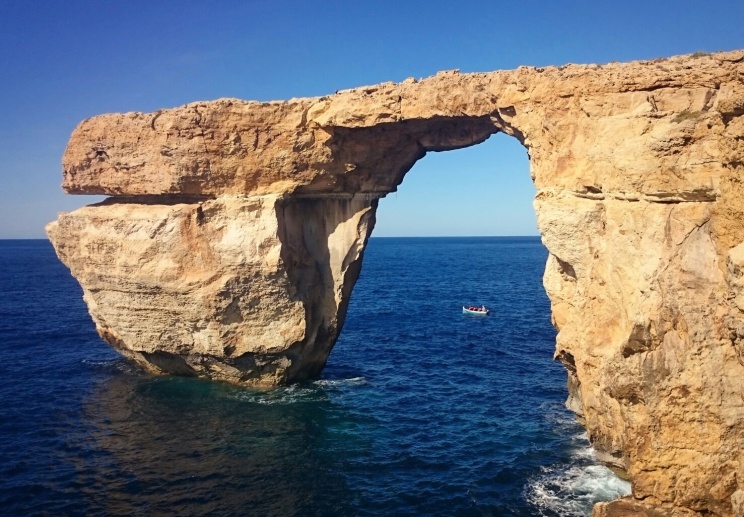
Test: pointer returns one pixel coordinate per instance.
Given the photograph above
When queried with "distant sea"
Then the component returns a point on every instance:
(421, 410)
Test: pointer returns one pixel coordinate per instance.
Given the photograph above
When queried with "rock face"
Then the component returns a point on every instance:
(235, 233)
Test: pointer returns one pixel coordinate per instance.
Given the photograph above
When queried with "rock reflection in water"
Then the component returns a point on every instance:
(183, 446)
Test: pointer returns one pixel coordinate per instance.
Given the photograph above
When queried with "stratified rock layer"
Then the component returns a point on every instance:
(237, 229)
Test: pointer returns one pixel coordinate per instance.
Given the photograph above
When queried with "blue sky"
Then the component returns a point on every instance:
(61, 62)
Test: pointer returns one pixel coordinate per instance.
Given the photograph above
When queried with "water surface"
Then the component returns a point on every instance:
(421, 409)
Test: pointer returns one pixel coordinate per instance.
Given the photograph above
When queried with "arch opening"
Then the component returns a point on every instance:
(461, 230)
(481, 190)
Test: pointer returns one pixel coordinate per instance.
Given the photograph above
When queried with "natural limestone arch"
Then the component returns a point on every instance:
(236, 230)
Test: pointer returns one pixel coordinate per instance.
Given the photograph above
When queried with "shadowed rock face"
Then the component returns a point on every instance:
(235, 233)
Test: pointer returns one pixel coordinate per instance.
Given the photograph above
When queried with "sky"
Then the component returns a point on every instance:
(62, 62)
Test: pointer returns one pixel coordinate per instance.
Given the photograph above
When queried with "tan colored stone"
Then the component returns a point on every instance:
(629, 508)
(246, 290)
(737, 501)
(236, 233)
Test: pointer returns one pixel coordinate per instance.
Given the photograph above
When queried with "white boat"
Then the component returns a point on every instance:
(477, 311)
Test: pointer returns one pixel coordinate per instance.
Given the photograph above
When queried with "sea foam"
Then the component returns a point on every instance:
(573, 489)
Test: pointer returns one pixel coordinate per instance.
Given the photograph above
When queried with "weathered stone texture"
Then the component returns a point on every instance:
(236, 231)
(242, 289)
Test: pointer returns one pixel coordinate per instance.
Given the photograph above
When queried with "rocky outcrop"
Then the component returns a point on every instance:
(243, 289)
(235, 233)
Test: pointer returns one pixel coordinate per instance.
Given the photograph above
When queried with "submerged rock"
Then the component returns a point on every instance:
(236, 230)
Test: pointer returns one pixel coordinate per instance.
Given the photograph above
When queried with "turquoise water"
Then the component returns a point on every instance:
(421, 410)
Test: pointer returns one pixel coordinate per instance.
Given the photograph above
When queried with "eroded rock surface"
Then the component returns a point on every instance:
(235, 233)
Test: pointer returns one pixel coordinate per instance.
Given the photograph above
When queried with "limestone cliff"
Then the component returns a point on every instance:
(235, 233)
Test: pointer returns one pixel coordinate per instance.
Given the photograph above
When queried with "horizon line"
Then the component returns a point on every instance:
(371, 237)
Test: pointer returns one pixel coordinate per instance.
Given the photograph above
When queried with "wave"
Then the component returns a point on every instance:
(341, 382)
(283, 396)
(571, 490)
(99, 362)
(116, 364)
(315, 391)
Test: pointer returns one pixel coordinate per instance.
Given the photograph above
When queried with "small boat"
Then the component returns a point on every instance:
(478, 311)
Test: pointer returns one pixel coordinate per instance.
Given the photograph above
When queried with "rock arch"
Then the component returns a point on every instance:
(235, 232)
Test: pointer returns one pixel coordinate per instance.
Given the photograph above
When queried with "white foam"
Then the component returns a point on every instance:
(277, 396)
(341, 382)
(298, 393)
(570, 490)
(117, 363)
(584, 453)
(289, 395)
(99, 362)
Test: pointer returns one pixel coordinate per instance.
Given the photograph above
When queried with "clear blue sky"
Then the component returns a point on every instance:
(61, 62)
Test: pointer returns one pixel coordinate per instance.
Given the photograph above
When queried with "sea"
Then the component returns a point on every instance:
(421, 410)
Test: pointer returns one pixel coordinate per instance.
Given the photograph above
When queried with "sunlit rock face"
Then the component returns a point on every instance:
(236, 230)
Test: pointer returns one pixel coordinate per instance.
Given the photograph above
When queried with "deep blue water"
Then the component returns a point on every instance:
(421, 409)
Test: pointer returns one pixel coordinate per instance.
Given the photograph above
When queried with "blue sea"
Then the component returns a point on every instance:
(421, 410)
